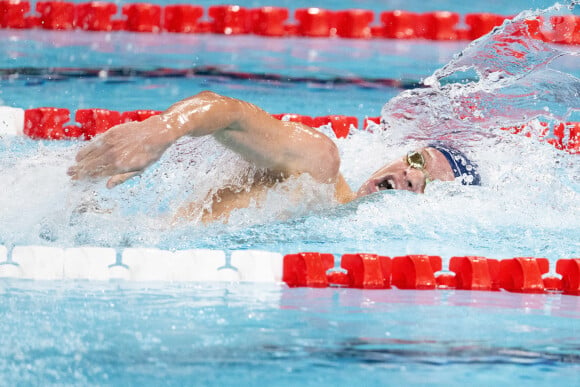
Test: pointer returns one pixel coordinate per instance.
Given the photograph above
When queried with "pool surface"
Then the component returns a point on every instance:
(118, 334)
(78, 332)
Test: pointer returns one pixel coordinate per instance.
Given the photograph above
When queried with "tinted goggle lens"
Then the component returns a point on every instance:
(416, 160)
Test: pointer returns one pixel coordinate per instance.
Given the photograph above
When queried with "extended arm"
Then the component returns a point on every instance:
(283, 147)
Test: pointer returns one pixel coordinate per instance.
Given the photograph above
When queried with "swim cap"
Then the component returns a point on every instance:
(460, 164)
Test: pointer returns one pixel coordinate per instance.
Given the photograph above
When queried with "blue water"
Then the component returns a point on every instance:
(78, 333)
(240, 334)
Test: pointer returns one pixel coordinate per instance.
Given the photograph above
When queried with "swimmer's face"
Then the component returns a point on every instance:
(405, 174)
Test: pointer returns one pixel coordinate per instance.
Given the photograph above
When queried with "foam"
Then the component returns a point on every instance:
(527, 204)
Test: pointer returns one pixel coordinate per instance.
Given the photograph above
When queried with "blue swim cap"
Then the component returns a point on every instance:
(460, 164)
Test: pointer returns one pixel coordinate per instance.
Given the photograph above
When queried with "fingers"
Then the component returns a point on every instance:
(92, 149)
(90, 160)
(121, 178)
(120, 153)
(104, 156)
(90, 168)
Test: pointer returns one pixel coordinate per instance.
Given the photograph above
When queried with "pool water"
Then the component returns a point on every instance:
(248, 334)
(118, 333)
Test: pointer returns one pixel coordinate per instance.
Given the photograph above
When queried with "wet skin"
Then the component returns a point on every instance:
(282, 148)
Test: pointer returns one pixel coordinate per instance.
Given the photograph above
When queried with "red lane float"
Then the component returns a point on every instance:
(12, 14)
(315, 22)
(533, 28)
(49, 123)
(96, 121)
(565, 29)
(338, 278)
(95, 16)
(56, 15)
(481, 24)
(566, 136)
(570, 271)
(142, 17)
(182, 18)
(46, 123)
(367, 271)
(372, 271)
(415, 271)
(371, 121)
(446, 281)
(400, 24)
(229, 19)
(138, 115)
(475, 273)
(306, 120)
(341, 125)
(523, 274)
(271, 21)
(354, 23)
(307, 269)
(439, 25)
(552, 284)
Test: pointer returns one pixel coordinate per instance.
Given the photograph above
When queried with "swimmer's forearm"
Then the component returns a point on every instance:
(203, 114)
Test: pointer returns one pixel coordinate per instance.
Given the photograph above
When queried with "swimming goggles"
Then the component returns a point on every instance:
(416, 160)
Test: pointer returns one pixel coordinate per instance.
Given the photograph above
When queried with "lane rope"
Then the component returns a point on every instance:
(272, 21)
(52, 123)
(305, 269)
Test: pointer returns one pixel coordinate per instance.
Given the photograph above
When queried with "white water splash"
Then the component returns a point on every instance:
(529, 202)
(503, 79)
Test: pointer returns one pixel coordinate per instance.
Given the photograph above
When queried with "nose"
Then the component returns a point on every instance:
(404, 180)
(412, 180)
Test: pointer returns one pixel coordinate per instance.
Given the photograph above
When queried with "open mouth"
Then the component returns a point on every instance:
(388, 183)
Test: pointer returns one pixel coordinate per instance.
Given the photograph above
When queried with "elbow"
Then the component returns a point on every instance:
(208, 94)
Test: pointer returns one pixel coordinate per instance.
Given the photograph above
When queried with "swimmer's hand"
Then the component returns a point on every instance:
(123, 151)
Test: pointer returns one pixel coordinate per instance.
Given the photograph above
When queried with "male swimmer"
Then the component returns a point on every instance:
(283, 148)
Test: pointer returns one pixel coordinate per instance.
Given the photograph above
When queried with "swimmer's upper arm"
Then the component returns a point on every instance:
(288, 146)
(285, 147)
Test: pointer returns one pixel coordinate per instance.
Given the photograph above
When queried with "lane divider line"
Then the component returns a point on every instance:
(270, 21)
(304, 269)
(51, 123)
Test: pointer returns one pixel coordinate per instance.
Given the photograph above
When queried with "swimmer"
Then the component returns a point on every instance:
(283, 148)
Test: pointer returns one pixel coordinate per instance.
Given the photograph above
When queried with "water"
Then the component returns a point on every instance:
(118, 333)
(514, 213)
(254, 335)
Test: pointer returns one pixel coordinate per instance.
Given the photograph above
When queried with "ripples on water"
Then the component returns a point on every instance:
(250, 334)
